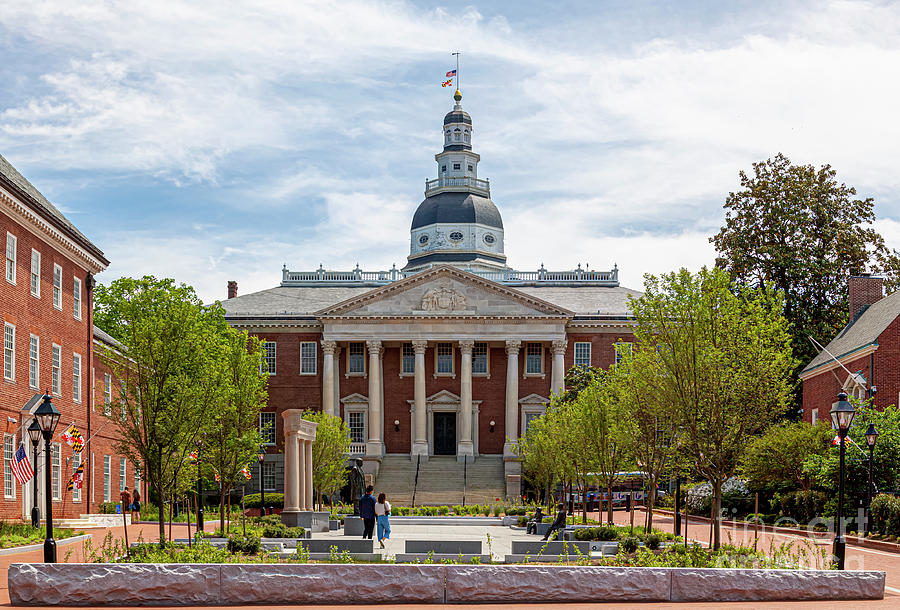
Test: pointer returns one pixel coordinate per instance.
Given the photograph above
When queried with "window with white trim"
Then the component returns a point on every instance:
(34, 362)
(76, 377)
(356, 423)
(408, 359)
(56, 370)
(443, 359)
(57, 286)
(76, 294)
(9, 351)
(534, 359)
(123, 401)
(267, 357)
(480, 358)
(622, 351)
(35, 273)
(10, 258)
(107, 394)
(267, 427)
(9, 454)
(308, 358)
(76, 462)
(356, 358)
(268, 476)
(582, 353)
(107, 467)
(56, 470)
(815, 416)
(137, 477)
(123, 476)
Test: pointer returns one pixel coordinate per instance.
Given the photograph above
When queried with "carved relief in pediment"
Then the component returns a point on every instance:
(443, 298)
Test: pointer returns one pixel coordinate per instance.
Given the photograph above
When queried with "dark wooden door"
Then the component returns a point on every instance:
(445, 433)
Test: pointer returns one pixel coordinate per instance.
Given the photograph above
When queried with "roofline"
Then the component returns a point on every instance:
(853, 354)
(38, 207)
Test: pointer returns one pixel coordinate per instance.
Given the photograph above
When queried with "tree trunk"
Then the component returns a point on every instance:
(651, 502)
(222, 512)
(584, 500)
(161, 519)
(609, 503)
(717, 516)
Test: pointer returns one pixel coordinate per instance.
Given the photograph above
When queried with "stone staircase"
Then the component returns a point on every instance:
(441, 480)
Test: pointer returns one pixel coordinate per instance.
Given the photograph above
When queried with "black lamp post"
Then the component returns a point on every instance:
(678, 505)
(47, 417)
(871, 437)
(199, 490)
(842, 413)
(262, 488)
(34, 432)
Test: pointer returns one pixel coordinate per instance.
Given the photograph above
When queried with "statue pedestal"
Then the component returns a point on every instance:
(353, 526)
(313, 521)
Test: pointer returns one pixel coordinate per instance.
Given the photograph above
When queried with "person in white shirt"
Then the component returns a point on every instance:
(383, 518)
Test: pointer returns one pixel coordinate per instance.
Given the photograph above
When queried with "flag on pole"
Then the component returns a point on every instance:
(447, 83)
(192, 456)
(73, 438)
(246, 472)
(21, 467)
(451, 73)
(75, 481)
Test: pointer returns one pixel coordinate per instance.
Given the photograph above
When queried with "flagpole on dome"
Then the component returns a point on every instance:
(457, 71)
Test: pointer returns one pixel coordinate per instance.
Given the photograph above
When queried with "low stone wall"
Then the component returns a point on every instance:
(239, 584)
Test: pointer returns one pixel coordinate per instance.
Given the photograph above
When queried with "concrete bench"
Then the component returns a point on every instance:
(444, 547)
(323, 545)
(522, 547)
(441, 558)
(518, 558)
(327, 556)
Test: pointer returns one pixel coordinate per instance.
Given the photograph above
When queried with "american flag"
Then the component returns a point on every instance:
(21, 467)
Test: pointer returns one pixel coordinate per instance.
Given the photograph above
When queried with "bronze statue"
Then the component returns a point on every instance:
(357, 484)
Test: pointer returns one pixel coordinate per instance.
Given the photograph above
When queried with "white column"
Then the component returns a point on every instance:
(308, 474)
(301, 473)
(373, 446)
(291, 472)
(465, 447)
(381, 394)
(512, 392)
(328, 402)
(558, 372)
(420, 447)
(337, 380)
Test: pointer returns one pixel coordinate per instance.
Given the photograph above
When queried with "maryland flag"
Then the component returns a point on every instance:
(216, 476)
(192, 457)
(75, 481)
(73, 438)
(246, 472)
(447, 83)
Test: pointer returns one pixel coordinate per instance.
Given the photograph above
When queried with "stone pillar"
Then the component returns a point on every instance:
(381, 395)
(373, 446)
(465, 450)
(512, 466)
(420, 447)
(291, 463)
(309, 474)
(558, 372)
(337, 380)
(301, 471)
(328, 402)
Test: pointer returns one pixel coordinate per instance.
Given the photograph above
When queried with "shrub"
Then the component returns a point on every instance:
(652, 542)
(605, 533)
(272, 499)
(108, 508)
(522, 521)
(885, 514)
(804, 506)
(629, 545)
(248, 544)
(280, 530)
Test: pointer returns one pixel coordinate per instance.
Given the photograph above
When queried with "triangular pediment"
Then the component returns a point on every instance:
(444, 291)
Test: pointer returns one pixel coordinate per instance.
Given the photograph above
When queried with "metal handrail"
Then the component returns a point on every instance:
(416, 481)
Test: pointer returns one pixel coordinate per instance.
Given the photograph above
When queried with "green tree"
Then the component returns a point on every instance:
(329, 452)
(797, 229)
(165, 334)
(539, 450)
(726, 357)
(774, 461)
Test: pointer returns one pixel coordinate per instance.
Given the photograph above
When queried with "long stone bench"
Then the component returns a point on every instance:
(444, 547)
(534, 547)
(74, 584)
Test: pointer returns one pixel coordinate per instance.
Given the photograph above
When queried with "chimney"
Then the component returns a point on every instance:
(232, 289)
(864, 290)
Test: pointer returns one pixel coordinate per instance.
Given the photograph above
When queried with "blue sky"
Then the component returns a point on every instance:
(209, 143)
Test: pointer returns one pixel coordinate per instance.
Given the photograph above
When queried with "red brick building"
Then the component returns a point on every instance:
(48, 346)
(451, 356)
(868, 347)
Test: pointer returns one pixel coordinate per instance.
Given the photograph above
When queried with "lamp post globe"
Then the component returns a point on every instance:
(34, 433)
(871, 437)
(842, 413)
(47, 417)
(262, 488)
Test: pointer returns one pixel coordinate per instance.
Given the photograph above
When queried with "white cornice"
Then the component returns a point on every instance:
(843, 360)
(42, 229)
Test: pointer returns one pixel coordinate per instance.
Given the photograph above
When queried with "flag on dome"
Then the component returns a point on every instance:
(451, 73)
(447, 83)
(21, 467)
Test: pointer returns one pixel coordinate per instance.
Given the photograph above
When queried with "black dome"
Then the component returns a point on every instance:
(457, 208)
(457, 116)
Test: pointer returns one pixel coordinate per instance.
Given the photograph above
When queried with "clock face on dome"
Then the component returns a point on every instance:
(489, 239)
(456, 236)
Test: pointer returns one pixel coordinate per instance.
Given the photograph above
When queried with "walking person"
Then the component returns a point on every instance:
(367, 512)
(136, 506)
(383, 516)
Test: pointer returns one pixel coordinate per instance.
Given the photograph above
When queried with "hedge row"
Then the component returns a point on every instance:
(885, 515)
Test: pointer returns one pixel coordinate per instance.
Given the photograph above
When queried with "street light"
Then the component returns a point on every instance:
(199, 490)
(842, 413)
(871, 437)
(262, 488)
(34, 432)
(47, 417)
